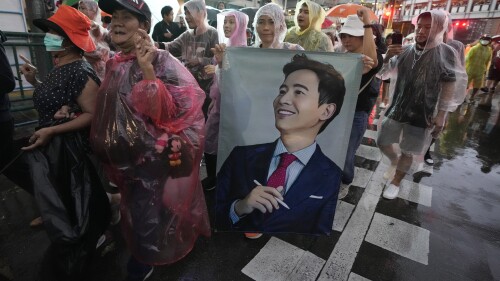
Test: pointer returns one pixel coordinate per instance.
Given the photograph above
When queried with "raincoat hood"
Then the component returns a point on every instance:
(275, 12)
(239, 36)
(439, 25)
(316, 16)
(198, 11)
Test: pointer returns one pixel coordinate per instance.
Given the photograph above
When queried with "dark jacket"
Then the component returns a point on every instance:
(7, 82)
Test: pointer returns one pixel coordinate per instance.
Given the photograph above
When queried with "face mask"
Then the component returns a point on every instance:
(53, 42)
(484, 42)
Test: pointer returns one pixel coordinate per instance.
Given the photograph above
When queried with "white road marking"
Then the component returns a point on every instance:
(416, 192)
(342, 215)
(371, 134)
(369, 152)
(354, 277)
(400, 237)
(339, 264)
(281, 261)
(361, 177)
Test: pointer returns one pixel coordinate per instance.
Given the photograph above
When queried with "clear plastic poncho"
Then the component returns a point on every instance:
(149, 134)
(275, 12)
(425, 82)
(311, 39)
(100, 56)
(196, 44)
(239, 36)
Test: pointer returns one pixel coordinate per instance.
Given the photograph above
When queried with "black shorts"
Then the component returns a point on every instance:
(493, 74)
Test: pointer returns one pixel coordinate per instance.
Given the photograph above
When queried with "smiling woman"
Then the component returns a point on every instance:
(270, 28)
(148, 129)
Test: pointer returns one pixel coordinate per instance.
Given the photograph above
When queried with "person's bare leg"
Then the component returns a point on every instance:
(390, 152)
(474, 91)
(404, 164)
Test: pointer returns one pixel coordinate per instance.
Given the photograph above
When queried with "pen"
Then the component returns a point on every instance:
(279, 201)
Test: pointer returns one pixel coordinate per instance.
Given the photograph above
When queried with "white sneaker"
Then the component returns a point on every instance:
(389, 174)
(391, 191)
(382, 105)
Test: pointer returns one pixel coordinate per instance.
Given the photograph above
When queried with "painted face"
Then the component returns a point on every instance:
(296, 108)
(124, 25)
(229, 25)
(190, 19)
(169, 17)
(352, 44)
(265, 29)
(303, 17)
(423, 30)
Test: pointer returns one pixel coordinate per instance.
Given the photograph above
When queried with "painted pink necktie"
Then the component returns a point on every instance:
(278, 177)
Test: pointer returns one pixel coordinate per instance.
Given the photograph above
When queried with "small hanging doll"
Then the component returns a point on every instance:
(174, 151)
(173, 145)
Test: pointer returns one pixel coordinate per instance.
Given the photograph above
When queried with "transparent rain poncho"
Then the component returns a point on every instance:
(149, 135)
(196, 44)
(239, 36)
(276, 13)
(237, 39)
(100, 56)
(425, 82)
(311, 39)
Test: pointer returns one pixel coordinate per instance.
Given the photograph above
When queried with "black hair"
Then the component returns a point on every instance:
(331, 86)
(221, 2)
(106, 19)
(166, 10)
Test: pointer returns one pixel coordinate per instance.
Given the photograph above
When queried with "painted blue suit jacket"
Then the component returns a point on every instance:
(320, 177)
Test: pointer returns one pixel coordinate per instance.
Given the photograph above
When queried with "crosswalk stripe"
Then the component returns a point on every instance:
(339, 264)
(282, 261)
(354, 277)
(362, 176)
(308, 268)
(342, 214)
(400, 237)
(369, 152)
(416, 192)
(370, 134)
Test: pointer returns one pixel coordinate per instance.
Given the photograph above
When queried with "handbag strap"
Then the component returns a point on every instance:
(366, 85)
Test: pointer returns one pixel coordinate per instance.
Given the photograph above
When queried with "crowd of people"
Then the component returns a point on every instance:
(125, 118)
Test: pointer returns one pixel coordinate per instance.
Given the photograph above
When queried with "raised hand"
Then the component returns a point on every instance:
(145, 52)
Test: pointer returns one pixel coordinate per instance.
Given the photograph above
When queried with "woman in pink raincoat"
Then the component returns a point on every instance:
(148, 130)
(232, 33)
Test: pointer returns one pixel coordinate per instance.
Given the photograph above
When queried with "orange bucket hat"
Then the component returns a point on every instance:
(70, 23)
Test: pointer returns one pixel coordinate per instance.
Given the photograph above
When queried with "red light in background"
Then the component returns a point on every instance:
(464, 24)
(457, 24)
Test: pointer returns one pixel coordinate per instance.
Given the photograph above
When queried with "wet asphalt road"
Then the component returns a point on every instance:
(445, 227)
